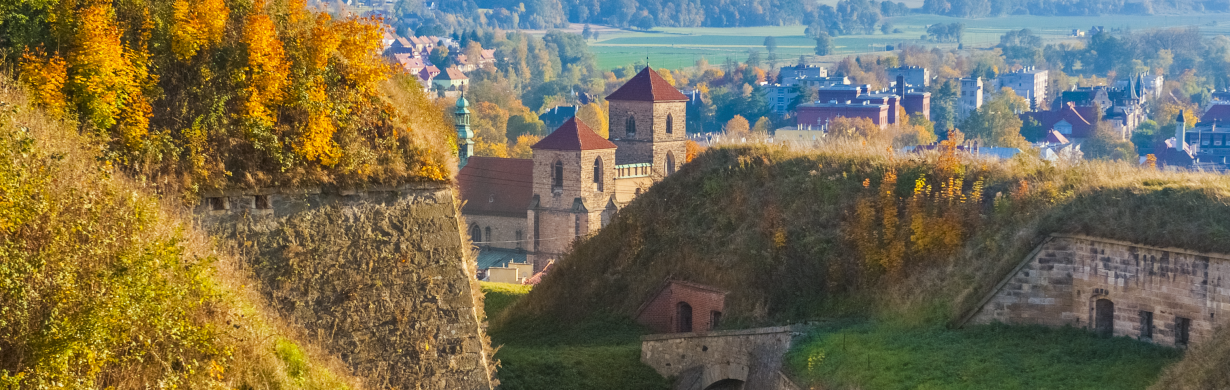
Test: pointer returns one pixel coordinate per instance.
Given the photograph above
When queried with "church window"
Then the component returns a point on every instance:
(630, 126)
(476, 234)
(558, 176)
(520, 236)
(670, 124)
(598, 173)
(577, 224)
(670, 163)
(488, 231)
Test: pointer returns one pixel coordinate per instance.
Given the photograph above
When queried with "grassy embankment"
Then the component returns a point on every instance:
(850, 232)
(602, 355)
(104, 286)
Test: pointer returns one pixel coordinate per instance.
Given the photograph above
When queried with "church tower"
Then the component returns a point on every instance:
(465, 136)
(574, 181)
(647, 123)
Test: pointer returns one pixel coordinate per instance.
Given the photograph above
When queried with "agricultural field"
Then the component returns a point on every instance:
(677, 47)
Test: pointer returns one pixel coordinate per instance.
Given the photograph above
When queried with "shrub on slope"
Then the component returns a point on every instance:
(847, 230)
(101, 286)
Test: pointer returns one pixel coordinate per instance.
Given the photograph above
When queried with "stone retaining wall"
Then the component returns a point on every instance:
(1069, 280)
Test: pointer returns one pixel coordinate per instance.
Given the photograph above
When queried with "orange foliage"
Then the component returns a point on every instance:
(267, 71)
(693, 149)
(360, 48)
(197, 26)
(106, 83)
(46, 75)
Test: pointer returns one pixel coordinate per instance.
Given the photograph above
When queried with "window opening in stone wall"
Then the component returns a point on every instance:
(714, 318)
(537, 232)
(670, 123)
(1146, 325)
(670, 162)
(262, 202)
(1182, 331)
(488, 232)
(598, 173)
(217, 204)
(1104, 317)
(476, 234)
(558, 176)
(576, 227)
(630, 126)
(520, 236)
(683, 317)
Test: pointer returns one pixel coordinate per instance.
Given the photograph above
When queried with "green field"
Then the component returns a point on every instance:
(676, 47)
(880, 356)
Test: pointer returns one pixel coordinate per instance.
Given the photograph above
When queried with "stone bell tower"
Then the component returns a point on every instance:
(647, 123)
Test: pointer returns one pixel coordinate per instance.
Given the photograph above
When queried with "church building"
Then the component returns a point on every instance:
(532, 210)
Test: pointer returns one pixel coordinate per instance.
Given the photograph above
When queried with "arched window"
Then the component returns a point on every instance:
(476, 234)
(670, 163)
(558, 183)
(670, 123)
(488, 231)
(630, 126)
(520, 236)
(683, 317)
(598, 173)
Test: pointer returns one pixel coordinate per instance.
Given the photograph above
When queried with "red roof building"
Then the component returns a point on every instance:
(683, 307)
(574, 135)
(496, 186)
(1070, 121)
(648, 86)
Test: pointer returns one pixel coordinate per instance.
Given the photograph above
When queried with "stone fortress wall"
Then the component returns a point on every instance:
(1167, 296)
(383, 277)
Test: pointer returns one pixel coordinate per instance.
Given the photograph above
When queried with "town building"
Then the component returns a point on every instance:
(682, 307)
(576, 180)
(451, 79)
(1029, 83)
(971, 96)
(916, 76)
(820, 115)
(1072, 122)
(556, 116)
(791, 75)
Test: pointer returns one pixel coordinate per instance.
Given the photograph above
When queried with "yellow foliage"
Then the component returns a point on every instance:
(596, 118)
(485, 148)
(323, 42)
(666, 75)
(267, 71)
(360, 48)
(693, 149)
(107, 83)
(737, 127)
(197, 25)
(46, 76)
(522, 149)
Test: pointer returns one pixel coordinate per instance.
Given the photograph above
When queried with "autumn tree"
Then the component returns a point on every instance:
(763, 126)
(596, 118)
(996, 123)
(737, 127)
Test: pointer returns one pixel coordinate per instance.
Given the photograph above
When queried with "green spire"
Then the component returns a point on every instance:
(465, 136)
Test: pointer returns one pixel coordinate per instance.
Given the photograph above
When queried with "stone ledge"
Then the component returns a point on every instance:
(721, 333)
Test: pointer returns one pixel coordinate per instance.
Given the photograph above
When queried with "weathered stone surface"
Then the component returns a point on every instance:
(382, 279)
(699, 360)
(1063, 282)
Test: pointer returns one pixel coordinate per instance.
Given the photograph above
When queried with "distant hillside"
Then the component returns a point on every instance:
(104, 286)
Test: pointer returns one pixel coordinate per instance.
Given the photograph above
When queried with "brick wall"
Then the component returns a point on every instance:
(1062, 282)
(659, 314)
(819, 114)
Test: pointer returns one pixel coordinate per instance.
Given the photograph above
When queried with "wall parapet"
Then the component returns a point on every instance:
(751, 357)
(1168, 296)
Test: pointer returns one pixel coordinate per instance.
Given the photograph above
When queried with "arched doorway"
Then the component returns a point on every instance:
(683, 317)
(1104, 317)
(670, 162)
(726, 384)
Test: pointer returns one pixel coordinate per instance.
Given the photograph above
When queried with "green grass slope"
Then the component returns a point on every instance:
(881, 356)
(105, 286)
(600, 355)
(849, 231)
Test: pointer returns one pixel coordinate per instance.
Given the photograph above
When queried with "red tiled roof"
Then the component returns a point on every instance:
(1219, 113)
(647, 86)
(452, 74)
(1056, 138)
(497, 186)
(1081, 127)
(574, 135)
